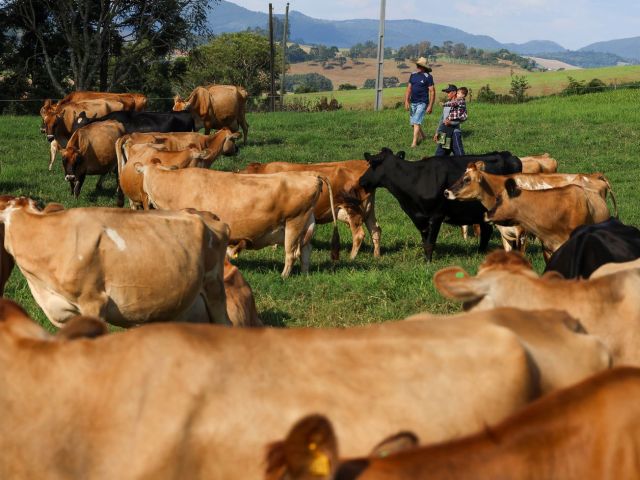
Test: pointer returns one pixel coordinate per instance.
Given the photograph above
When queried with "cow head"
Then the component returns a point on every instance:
(467, 187)
(179, 104)
(229, 147)
(50, 124)
(375, 174)
(505, 210)
(75, 169)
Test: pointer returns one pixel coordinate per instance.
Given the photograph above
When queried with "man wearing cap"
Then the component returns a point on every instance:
(419, 98)
(448, 135)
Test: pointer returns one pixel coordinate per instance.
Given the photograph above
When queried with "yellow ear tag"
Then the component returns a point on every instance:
(320, 466)
(235, 255)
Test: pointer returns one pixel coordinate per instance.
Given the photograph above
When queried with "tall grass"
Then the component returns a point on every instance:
(587, 133)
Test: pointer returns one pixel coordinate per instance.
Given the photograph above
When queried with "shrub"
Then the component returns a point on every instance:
(369, 83)
(307, 82)
(347, 86)
(519, 87)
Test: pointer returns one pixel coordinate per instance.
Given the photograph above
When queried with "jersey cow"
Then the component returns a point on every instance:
(355, 206)
(419, 188)
(599, 415)
(176, 393)
(129, 101)
(261, 210)
(216, 106)
(119, 265)
(607, 306)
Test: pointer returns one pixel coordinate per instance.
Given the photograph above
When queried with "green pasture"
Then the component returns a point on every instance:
(587, 133)
(542, 83)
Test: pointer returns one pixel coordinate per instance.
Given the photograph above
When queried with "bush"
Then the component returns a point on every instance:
(369, 83)
(347, 86)
(307, 82)
(519, 87)
(486, 95)
(596, 85)
(311, 105)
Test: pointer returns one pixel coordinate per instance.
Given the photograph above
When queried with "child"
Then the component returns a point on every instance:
(448, 135)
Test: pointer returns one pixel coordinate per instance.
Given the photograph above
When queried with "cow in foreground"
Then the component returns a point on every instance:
(419, 188)
(607, 306)
(261, 210)
(355, 206)
(125, 267)
(600, 415)
(177, 393)
(216, 106)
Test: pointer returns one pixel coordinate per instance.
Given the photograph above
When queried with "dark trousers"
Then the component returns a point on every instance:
(456, 145)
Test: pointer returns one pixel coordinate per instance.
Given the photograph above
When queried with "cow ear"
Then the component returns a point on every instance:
(455, 283)
(480, 165)
(511, 187)
(310, 450)
(472, 166)
(82, 327)
(394, 444)
(401, 154)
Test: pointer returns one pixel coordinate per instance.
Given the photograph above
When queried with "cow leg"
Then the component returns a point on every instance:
(100, 180)
(305, 256)
(119, 192)
(53, 149)
(245, 128)
(354, 220)
(372, 224)
(215, 299)
(294, 232)
(465, 232)
(430, 235)
(485, 235)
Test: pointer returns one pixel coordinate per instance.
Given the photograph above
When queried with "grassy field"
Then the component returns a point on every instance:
(542, 83)
(587, 133)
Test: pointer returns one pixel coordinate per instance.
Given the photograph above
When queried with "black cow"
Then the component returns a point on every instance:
(144, 121)
(591, 246)
(419, 188)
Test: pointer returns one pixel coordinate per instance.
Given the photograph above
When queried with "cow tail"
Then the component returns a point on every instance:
(335, 237)
(613, 197)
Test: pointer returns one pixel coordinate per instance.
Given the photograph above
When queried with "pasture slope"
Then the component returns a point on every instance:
(589, 133)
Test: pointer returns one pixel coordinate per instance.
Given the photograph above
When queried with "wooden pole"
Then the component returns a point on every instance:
(272, 100)
(284, 56)
(380, 77)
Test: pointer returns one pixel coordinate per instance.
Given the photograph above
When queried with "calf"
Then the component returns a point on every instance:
(600, 415)
(419, 188)
(539, 164)
(355, 206)
(606, 306)
(261, 210)
(222, 142)
(91, 151)
(177, 393)
(551, 215)
(119, 265)
(241, 306)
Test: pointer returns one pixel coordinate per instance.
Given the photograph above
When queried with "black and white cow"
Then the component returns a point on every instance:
(419, 188)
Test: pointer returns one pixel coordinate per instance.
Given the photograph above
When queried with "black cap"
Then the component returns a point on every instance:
(450, 88)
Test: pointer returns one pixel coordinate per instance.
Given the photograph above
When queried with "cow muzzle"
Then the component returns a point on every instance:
(70, 178)
(449, 195)
(50, 138)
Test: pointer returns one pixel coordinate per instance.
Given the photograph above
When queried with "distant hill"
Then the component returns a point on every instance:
(229, 17)
(628, 48)
(534, 46)
(584, 59)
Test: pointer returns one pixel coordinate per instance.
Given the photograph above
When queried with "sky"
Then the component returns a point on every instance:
(571, 23)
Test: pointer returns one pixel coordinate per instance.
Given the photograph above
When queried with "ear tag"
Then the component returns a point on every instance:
(459, 275)
(320, 465)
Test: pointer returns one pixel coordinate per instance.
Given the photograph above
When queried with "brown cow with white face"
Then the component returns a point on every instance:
(355, 205)
(119, 265)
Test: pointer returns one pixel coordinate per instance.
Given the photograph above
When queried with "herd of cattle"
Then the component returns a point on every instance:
(536, 379)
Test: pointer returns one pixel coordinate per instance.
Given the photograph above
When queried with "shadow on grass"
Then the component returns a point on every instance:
(261, 143)
(274, 318)
(102, 193)
(11, 185)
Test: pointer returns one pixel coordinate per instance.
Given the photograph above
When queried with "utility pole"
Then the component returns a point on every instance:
(272, 99)
(284, 55)
(380, 77)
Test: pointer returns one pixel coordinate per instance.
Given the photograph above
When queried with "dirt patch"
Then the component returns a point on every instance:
(443, 73)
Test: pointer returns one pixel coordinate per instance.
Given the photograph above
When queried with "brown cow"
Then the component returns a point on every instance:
(119, 265)
(551, 215)
(216, 106)
(241, 306)
(261, 210)
(177, 393)
(613, 267)
(58, 125)
(6, 260)
(355, 206)
(91, 151)
(539, 164)
(606, 306)
(130, 101)
(589, 431)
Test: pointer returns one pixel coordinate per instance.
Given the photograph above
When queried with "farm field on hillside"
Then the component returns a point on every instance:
(584, 133)
(542, 83)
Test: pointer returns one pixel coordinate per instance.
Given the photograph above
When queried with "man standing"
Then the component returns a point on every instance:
(419, 98)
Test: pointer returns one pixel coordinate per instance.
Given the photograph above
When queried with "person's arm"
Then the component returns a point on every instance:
(432, 97)
(407, 96)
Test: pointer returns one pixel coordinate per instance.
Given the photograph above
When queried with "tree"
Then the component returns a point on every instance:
(307, 82)
(295, 54)
(103, 42)
(519, 87)
(232, 58)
